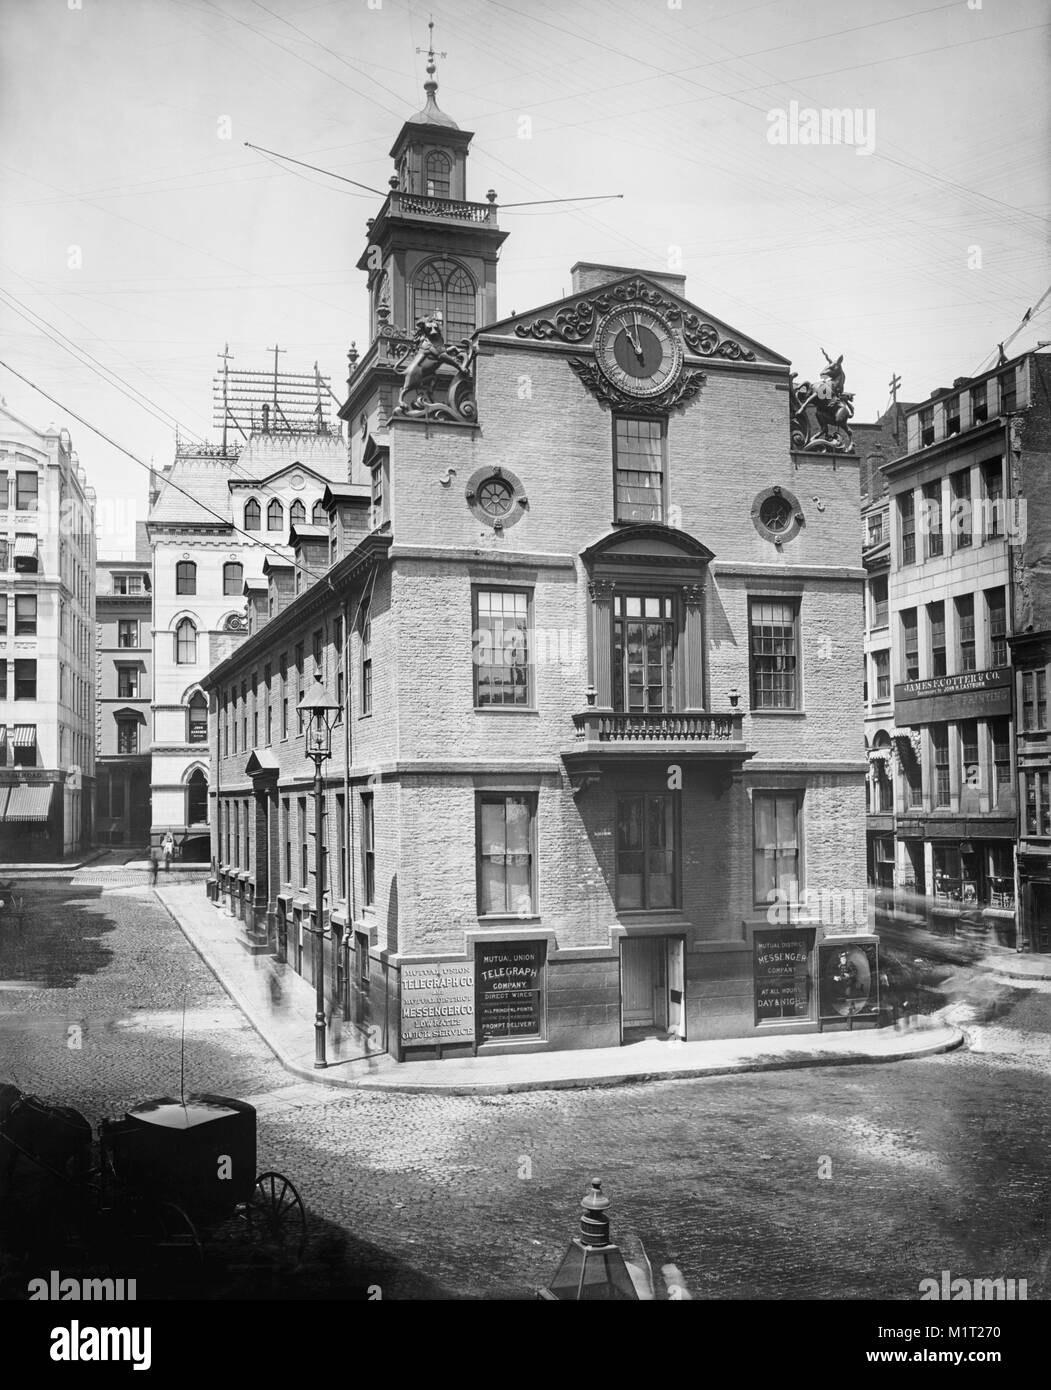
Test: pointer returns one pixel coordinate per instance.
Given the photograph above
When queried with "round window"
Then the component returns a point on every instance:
(776, 515)
(497, 497)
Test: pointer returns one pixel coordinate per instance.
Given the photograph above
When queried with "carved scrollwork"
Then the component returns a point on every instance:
(576, 324)
(693, 595)
(677, 397)
(600, 590)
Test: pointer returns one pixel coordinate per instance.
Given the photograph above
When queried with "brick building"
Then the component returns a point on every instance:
(124, 692)
(47, 637)
(594, 627)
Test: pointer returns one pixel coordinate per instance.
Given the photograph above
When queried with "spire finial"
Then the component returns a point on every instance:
(431, 85)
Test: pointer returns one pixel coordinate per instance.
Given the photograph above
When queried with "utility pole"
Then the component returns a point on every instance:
(225, 356)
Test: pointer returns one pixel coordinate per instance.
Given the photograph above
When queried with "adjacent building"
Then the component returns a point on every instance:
(944, 814)
(47, 640)
(588, 599)
(124, 695)
(215, 514)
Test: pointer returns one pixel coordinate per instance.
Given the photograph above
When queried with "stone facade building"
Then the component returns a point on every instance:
(589, 601)
(959, 558)
(124, 694)
(47, 644)
(215, 515)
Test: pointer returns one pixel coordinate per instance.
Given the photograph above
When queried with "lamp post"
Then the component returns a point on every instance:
(319, 712)
(593, 1268)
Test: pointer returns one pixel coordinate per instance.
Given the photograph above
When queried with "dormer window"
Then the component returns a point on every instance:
(437, 176)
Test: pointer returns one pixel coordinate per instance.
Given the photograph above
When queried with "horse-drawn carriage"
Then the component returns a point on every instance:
(167, 1173)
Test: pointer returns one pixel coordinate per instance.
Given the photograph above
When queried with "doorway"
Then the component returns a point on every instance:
(652, 988)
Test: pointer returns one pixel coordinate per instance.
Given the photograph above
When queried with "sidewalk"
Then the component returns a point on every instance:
(1009, 965)
(279, 1004)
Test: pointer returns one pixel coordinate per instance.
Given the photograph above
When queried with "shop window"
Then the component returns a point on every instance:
(1037, 803)
(883, 861)
(1000, 873)
(501, 648)
(506, 858)
(776, 840)
(647, 851)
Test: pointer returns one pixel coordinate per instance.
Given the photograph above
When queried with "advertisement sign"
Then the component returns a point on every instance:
(781, 973)
(849, 974)
(510, 989)
(437, 1004)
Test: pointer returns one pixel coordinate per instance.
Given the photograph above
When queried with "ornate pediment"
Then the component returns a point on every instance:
(574, 320)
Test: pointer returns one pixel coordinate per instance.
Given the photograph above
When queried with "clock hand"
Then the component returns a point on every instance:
(636, 342)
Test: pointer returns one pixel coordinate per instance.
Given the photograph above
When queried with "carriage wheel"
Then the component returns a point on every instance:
(276, 1216)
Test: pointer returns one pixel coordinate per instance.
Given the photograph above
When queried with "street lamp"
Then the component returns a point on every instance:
(592, 1269)
(319, 712)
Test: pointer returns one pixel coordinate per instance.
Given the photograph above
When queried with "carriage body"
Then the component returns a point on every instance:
(199, 1154)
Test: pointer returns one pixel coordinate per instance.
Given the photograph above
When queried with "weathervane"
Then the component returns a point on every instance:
(429, 50)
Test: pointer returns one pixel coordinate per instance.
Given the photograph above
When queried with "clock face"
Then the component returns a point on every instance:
(637, 351)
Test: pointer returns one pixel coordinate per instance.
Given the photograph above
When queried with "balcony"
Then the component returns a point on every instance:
(604, 738)
(598, 726)
(450, 209)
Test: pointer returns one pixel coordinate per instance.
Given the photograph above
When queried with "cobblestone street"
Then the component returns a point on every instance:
(842, 1182)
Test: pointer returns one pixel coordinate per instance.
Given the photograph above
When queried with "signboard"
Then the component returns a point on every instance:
(970, 695)
(437, 1004)
(849, 974)
(510, 989)
(781, 974)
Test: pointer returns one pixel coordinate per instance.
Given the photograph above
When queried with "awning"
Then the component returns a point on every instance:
(23, 736)
(28, 803)
(25, 544)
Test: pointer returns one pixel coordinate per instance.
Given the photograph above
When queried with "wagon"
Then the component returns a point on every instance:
(190, 1165)
(169, 1173)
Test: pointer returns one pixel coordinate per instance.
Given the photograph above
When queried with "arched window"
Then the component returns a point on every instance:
(436, 177)
(186, 643)
(197, 798)
(319, 516)
(445, 286)
(275, 516)
(197, 722)
(253, 515)
(297, 514)
(186, 577)
(233, 578)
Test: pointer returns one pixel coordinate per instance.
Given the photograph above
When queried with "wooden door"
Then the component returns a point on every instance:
(644, 984)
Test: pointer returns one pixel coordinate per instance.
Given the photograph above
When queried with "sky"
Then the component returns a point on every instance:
(139, 234)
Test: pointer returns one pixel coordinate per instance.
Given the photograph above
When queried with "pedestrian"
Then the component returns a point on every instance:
(154, 864)
(168, 849)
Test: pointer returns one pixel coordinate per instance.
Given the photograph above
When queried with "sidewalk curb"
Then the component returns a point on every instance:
(628, 1077)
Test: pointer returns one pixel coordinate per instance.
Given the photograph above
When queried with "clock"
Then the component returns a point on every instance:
(637, 351)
